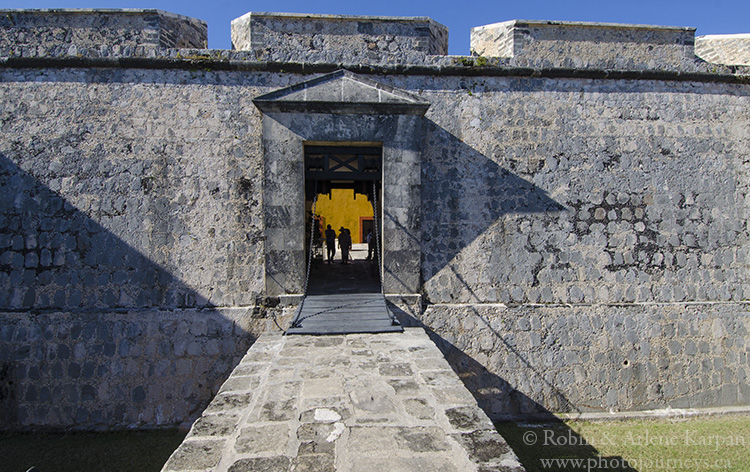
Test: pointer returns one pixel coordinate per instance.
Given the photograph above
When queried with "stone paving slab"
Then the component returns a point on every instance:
(355, 402)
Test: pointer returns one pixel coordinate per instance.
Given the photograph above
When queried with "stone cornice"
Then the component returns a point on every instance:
(451, 66)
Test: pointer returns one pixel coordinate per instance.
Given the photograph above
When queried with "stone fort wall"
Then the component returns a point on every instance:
(590, 234)
(132, 246)
(584, 240)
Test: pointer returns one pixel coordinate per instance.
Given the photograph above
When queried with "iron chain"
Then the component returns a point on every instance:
(377, 233)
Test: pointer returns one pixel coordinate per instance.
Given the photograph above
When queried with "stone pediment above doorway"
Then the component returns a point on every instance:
(342, 92)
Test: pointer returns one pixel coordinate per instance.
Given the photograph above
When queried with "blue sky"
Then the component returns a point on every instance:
(709, 16)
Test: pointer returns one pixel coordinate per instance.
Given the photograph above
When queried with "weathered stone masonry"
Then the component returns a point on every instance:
(582, 234)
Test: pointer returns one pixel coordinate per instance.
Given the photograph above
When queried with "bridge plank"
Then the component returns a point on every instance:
(345, 314)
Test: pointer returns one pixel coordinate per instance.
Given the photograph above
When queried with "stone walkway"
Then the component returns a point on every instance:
(355, 402)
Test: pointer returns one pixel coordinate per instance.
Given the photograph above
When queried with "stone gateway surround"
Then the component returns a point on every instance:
(570, 229)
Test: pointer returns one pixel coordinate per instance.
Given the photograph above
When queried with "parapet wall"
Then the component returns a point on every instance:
(296, 37)
(729, 49)
(51, 30)
(578, 44)
(366, 41)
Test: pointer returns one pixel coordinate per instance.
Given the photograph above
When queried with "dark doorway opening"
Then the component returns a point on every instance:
(366, 225)
(354, 171)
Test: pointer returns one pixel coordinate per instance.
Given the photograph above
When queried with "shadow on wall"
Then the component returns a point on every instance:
(540, 439)
(93, 333)
(57, 258)
(464, 193)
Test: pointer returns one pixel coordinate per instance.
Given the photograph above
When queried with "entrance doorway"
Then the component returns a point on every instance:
(343, 190)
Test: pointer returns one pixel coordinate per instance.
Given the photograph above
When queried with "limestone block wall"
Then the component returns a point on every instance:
(334, 38)
(580, 44)
(145, 193)
(43, 32)
(72, 369)
(129, 207)
(584, 243)
(527, 360)
(581, 191)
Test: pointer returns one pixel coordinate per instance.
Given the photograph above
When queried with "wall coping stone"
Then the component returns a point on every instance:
(728, 49)
(225, 60)
(124, 11)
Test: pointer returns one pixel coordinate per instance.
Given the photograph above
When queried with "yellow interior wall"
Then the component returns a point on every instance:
(343, 209)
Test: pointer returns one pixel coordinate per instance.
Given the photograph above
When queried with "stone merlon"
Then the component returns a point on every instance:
(51, 30)
(579, 44)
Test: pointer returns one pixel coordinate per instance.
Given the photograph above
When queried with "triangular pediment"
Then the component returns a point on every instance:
(341, 92)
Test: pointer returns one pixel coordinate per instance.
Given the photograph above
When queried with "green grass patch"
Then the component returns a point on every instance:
(665, 445)
(88, 451)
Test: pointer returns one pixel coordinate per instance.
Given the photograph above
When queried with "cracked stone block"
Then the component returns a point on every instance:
(243, 370)
(334, 360)
(396, 370)
(373, 400)
(419, 408)
(234, 384)
(312, 447)
(316, 373)
(284, 391)
(432, 463)
(423, 439)
(362, 352)
(228, 402)
(324, 415)
(314, 463)
(356, 343)
(281, 375)
(509, 466)
(196, 455)
(278, 411)
(468, 418)
(262, 464)
(453, 396)
(323, 435)
(338, 403)
(485, 446)
(441, 379)
(263, 439)
(254, 356)
(404, 386)
(214, 425)
(321, 387)
(300, 352)
(433, 363)
(328, 341)
(368, 439)
(365, 439)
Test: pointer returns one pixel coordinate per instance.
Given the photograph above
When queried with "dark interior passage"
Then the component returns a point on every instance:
(358, 276)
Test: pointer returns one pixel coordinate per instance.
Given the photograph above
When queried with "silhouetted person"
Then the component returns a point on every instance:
(330, 244)
(370, 245)
(345, 243)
